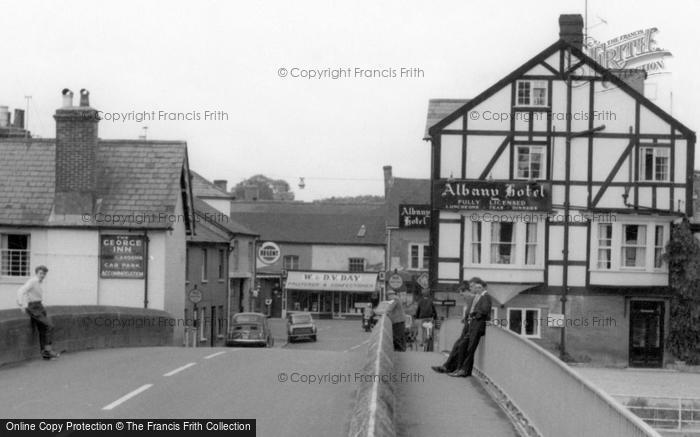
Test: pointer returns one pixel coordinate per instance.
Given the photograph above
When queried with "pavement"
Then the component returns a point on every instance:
(643, 382)
(433, 404)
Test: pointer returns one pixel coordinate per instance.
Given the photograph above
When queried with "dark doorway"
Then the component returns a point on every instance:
(214, 325)
(646, 334)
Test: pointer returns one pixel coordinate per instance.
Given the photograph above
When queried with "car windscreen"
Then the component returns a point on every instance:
(245, 318)
(301, 318)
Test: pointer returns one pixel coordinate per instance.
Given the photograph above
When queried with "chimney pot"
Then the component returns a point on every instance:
(388, 179)
(67, 98)
(84, 98)
(571, 29)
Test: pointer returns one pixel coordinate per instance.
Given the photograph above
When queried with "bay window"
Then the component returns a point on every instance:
(634, 240)
(505, 244)
(604, 246)
(502, 243)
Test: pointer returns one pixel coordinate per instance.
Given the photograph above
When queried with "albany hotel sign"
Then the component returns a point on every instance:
(494, 195)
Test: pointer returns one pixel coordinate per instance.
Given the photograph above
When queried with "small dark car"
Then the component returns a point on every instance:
(300, 325)
(249, 328)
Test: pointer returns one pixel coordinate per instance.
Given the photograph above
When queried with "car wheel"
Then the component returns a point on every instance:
(313, 337)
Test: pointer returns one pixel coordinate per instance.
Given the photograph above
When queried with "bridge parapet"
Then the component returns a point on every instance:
(84, 327)
(545, 396)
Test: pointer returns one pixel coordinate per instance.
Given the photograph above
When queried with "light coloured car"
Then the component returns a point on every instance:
(249, 328)
(300, 325)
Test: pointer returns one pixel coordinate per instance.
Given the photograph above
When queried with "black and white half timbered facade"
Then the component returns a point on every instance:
(558, 185)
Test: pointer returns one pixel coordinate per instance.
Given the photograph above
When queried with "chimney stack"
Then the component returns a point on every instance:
(76, 146)
(388, 179)
(221, 184)
(571, 29)
(19, 119)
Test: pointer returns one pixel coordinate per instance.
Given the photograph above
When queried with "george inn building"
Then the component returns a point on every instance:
(562, 137)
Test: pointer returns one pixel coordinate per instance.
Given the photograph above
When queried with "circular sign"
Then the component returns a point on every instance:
(195, 295)
(269, 253)
(395, 281)
(423, 280)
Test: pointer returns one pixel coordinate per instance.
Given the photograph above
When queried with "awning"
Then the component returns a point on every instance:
(504, 292)
(332, 281)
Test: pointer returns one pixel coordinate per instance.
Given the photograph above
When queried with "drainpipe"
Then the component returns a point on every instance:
(145, 268)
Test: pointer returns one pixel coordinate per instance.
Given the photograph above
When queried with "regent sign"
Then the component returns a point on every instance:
(414, 216)
(494, 195)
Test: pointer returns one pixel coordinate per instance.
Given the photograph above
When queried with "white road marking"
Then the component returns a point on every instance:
(356, 346)
(214, 355)
(127, 396)
(179, 369)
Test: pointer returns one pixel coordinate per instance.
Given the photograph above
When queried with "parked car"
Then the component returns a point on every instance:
(249, 328)
(300, 325)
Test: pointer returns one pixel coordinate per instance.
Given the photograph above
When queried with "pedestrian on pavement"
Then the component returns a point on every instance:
(479, 314)
(29, 298)
(425, 312)
(396, 314)
(460, 346)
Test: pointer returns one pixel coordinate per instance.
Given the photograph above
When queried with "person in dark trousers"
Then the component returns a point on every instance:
(397, 316)
(425, 311)
(460, 346)
(479, 314)
(29, 298)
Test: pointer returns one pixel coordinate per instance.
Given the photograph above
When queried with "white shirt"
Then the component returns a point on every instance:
(31, 291)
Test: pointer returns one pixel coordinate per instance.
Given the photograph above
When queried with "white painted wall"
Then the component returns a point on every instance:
(332, 257)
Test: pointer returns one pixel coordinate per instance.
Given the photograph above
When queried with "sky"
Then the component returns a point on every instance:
(244, 61)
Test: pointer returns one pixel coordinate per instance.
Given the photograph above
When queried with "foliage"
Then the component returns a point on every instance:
(267, 188)
(367, 198)
(683, 257)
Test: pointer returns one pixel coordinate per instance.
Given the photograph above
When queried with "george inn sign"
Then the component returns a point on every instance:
(494, 195)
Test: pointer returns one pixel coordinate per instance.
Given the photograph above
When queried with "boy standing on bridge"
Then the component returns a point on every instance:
(29, 298)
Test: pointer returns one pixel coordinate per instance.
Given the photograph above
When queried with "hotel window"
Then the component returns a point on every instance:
(634, 240)
(658, 247)
(532, 93)
(476, 242)
(290, 262)
(419, 256)
(14, 255)
(502, 243)
(531, 243)
(604, 246)
(530, 162)
(204, 265)
(357, 264)
(222, 265)
(524, 321)
(654, 163)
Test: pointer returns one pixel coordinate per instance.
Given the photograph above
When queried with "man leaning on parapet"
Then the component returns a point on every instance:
(29, 298)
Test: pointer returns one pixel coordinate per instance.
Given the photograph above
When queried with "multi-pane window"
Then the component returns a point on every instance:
(658, 247)
(654, 163)
(524, 321)
(532, 93)
(476, 242)
(419, 256)
(604, 246)
(530, 162)
(205, 267)
(290, 262)
(634, 239)
(502, 243)
(14, 255)
(222, 263)
(357, 264)
(531, 243)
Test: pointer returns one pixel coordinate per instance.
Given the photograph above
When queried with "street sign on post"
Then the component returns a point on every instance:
(395, 281)
(422, 280)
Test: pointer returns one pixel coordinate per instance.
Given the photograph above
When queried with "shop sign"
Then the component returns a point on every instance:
(122, 256)
(332, 281)
(269, 253)
(461, 194)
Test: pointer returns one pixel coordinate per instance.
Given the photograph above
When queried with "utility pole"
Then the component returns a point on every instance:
(26, 118)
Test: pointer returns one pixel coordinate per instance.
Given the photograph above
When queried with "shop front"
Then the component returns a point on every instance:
(329, 294)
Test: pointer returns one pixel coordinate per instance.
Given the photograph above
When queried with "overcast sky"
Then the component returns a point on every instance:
(191, 57)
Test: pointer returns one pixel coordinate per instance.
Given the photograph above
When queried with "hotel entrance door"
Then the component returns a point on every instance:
(646, 334)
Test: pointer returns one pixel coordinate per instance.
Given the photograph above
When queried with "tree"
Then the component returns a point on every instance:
(260, 187)
(683, 257)
(367, 198)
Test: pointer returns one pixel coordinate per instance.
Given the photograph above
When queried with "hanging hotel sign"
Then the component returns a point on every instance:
(269, 253)
(335, 281)
(463, 194)
(122, 256)
(414, 216)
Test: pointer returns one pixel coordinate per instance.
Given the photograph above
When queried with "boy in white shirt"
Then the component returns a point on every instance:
(29, 298)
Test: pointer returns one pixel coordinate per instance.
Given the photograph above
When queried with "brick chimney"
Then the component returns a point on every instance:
(388, 179)
(571, 29)
(633, 77)
(76, 146)
(221, 184)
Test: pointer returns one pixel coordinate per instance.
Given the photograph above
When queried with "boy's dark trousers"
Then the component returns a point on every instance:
(43, 324)
(458, 350)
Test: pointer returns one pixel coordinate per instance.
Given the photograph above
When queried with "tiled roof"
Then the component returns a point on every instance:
(201, 187)
(439, 109)
(319, 223)
(133, 177)
(206, 215)
(405, 191)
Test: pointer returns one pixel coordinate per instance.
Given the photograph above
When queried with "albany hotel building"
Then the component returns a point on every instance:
(558, 185)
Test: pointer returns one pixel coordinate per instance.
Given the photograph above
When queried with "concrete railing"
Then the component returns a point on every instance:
(84, 327)
(554, 400)
(373, 413)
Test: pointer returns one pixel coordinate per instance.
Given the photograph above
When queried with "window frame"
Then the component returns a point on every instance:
(422, 262)
(290, 262)
(205, 266)
(485, 244)
(523, 317)
(655, 155)
(25, 258)
(513, 244)
(355, 261)
(530, 101)
(542, 151)
(644, 246)
(222, 265)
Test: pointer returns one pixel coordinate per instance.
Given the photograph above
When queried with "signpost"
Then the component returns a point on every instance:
(422, 280)
(395, 281)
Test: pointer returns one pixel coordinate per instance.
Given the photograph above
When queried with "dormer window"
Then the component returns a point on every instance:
(532, 93)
